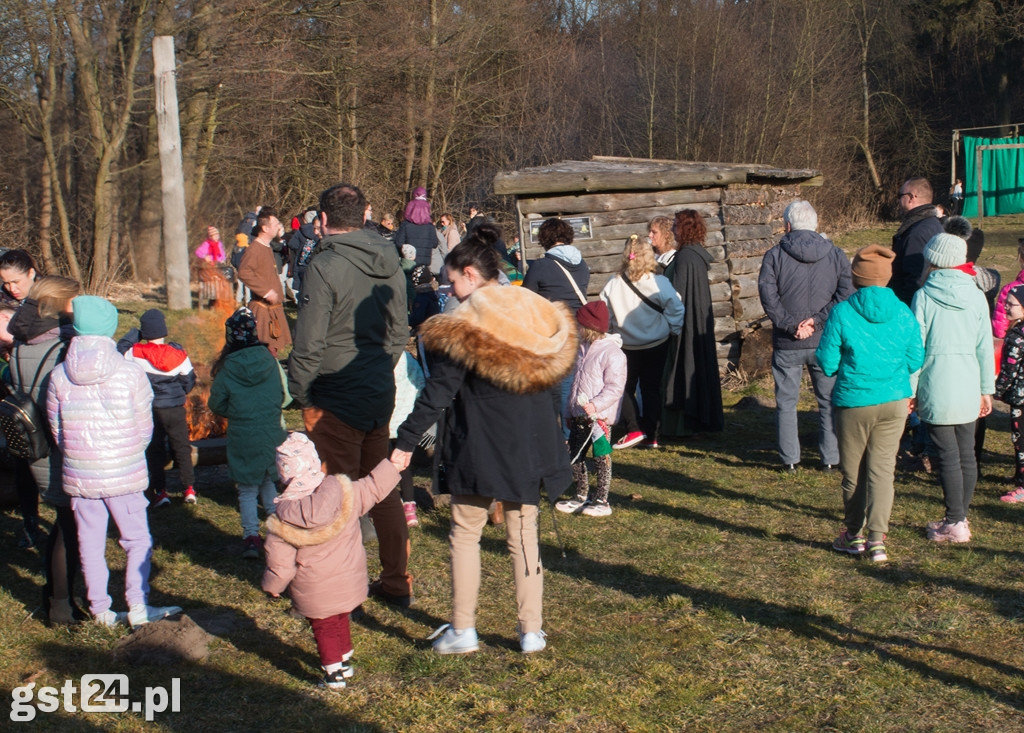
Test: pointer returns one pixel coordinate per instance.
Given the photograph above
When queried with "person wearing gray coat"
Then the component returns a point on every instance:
(801, 279)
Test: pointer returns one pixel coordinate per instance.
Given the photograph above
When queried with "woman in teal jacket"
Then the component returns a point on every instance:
(872, 343)
(956, 383)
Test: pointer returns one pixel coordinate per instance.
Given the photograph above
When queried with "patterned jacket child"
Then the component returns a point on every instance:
(1010, 389)
(1010, 383)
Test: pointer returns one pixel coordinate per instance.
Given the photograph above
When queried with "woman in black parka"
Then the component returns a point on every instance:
(495, 365)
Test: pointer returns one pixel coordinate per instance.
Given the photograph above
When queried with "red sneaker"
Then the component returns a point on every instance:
(628, 440)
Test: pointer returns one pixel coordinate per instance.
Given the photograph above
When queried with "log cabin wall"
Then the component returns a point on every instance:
(741, 205)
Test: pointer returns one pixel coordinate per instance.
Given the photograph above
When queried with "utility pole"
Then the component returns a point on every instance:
(172, 179)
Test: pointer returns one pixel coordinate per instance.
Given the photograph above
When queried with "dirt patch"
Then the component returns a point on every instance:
(164, 642)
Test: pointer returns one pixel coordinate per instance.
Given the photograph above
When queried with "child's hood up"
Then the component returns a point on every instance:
(251, 366)
(92, 360)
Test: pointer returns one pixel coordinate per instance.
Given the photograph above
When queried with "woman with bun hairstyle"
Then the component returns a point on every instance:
(495, 365)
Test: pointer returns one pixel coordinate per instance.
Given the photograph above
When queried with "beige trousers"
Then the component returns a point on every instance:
(469, 515)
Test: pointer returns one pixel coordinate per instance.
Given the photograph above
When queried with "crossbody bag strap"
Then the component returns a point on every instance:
(643, 297)
(579, 293)
(39, 369)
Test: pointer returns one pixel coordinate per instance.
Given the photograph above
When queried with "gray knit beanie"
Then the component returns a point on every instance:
(946, 250)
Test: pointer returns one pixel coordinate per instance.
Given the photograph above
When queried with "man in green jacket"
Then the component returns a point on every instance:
(351, 331)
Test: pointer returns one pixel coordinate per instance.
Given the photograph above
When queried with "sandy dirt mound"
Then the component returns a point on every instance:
(164, 642)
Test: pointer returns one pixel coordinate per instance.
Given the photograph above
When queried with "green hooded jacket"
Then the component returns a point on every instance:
(352, 329)
(250, 391)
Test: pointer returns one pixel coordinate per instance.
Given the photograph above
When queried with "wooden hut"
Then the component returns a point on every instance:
(608, 199)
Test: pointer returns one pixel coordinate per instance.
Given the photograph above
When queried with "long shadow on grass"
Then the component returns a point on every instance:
(210, 698)
(798, 621)
(1006, 601)
(670, 481)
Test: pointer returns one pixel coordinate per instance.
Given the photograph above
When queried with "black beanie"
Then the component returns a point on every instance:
(152, 325)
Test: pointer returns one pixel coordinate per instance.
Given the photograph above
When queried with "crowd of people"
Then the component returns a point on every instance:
(409, 336)
(905, 337)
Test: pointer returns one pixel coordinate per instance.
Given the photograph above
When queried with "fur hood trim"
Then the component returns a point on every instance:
(512, 337)
(310, 536)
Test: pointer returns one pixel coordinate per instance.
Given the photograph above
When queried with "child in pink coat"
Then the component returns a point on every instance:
(595, 400)
(314, 547)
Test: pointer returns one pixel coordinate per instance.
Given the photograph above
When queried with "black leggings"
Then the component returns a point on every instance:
(644, 367)
(62, 561)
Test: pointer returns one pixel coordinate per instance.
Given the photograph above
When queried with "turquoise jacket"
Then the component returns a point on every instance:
(958, 361)
(249, 390)
(873, 344)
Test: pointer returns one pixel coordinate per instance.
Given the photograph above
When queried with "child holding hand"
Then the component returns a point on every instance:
(315, 549)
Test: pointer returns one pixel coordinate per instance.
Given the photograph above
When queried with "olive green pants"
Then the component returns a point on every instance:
(869, 438)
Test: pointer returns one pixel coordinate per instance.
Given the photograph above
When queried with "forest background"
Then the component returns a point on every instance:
(279, 99)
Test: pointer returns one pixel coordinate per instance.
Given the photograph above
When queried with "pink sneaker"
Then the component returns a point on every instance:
(947, 532)
(410, 513)
(1013, 497)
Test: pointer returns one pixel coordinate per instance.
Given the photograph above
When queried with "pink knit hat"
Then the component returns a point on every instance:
(299, 466)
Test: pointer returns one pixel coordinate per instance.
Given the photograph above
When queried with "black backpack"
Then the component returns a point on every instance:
(22, 421)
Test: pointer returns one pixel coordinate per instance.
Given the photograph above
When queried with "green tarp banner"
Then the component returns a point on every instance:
(1002, 176)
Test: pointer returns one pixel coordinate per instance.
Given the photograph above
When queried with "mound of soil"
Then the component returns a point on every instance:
(164, 642)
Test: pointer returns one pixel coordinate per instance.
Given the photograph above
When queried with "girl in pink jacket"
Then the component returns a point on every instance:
(595, 400)
(99, 409)
(315, 550)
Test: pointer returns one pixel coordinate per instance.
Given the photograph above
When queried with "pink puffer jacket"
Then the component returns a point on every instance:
(315, 546)
(100, 410)
(601, 376)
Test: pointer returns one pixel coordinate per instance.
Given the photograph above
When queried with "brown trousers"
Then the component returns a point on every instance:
(355, 453)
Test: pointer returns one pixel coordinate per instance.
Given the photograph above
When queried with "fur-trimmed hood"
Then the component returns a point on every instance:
(303, 528)
(509, 336)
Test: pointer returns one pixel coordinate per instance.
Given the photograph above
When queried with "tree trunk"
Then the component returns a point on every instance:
(147, 245)
(46, 217)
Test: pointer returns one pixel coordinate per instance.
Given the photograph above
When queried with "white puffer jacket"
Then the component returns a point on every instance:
(100, 410)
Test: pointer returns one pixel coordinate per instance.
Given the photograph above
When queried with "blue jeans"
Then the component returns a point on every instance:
(787, 369)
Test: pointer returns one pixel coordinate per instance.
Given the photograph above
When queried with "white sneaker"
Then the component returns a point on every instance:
(570, 506)
(532, 641)
(601, 509)
(452, 641)
(140, 613)
(110, 618)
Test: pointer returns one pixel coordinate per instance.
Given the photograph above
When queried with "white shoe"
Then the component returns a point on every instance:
(570, 506)
(532, 641)
(452, 641)
(110, 618)
(140, 613)
(601, 509)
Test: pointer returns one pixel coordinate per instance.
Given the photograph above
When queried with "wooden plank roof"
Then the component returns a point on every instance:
(635, 174)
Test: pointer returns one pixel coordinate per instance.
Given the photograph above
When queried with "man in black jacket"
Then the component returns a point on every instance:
(352, 328)
(801, 279)
(920, 223)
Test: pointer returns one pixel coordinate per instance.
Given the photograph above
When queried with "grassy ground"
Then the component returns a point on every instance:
(710, 600)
